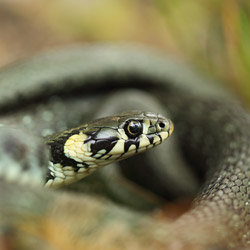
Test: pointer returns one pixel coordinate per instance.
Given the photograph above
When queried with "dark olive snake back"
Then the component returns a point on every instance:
(212, 129)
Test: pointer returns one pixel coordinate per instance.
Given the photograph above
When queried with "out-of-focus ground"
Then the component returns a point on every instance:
(213, 36)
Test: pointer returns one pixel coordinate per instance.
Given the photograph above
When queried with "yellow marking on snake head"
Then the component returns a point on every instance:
(73, 147)
(118, 148)
(164, 135)
(144, 141)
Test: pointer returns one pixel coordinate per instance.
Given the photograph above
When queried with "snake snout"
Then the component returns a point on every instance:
(171, 127)
(164, 125)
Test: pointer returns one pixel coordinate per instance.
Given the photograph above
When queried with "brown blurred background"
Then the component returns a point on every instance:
(211, 35)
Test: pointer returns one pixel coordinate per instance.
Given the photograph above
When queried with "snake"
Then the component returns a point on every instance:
(208, 154)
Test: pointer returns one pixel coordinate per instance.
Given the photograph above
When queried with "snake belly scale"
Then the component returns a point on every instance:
(211, 128)
(78, 152)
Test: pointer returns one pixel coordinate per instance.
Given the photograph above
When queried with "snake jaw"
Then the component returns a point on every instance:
(104, 141)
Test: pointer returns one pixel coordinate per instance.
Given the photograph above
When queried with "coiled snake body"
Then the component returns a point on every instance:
(212, 134)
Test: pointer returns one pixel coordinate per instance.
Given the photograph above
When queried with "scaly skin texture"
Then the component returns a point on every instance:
(213, 135)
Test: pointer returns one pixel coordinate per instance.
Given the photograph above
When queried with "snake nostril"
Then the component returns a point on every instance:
(162, 125)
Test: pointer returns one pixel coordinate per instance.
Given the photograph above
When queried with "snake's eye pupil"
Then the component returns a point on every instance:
(133, 128)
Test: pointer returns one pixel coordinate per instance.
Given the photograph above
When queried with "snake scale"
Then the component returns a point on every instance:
(61, 89)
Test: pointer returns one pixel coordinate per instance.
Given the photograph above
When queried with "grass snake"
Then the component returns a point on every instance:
(61, 89)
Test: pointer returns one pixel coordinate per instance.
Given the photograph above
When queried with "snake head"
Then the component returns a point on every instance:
(80, 151)
(117, 137)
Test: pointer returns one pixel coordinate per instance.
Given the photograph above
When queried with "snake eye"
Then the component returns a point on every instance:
(133, 128)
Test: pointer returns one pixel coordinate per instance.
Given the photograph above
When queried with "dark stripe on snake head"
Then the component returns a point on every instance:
(58, 155)
(99, 144)
(130, 142)
(151, 138)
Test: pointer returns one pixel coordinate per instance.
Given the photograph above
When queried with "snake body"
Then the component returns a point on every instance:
(212, 130)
